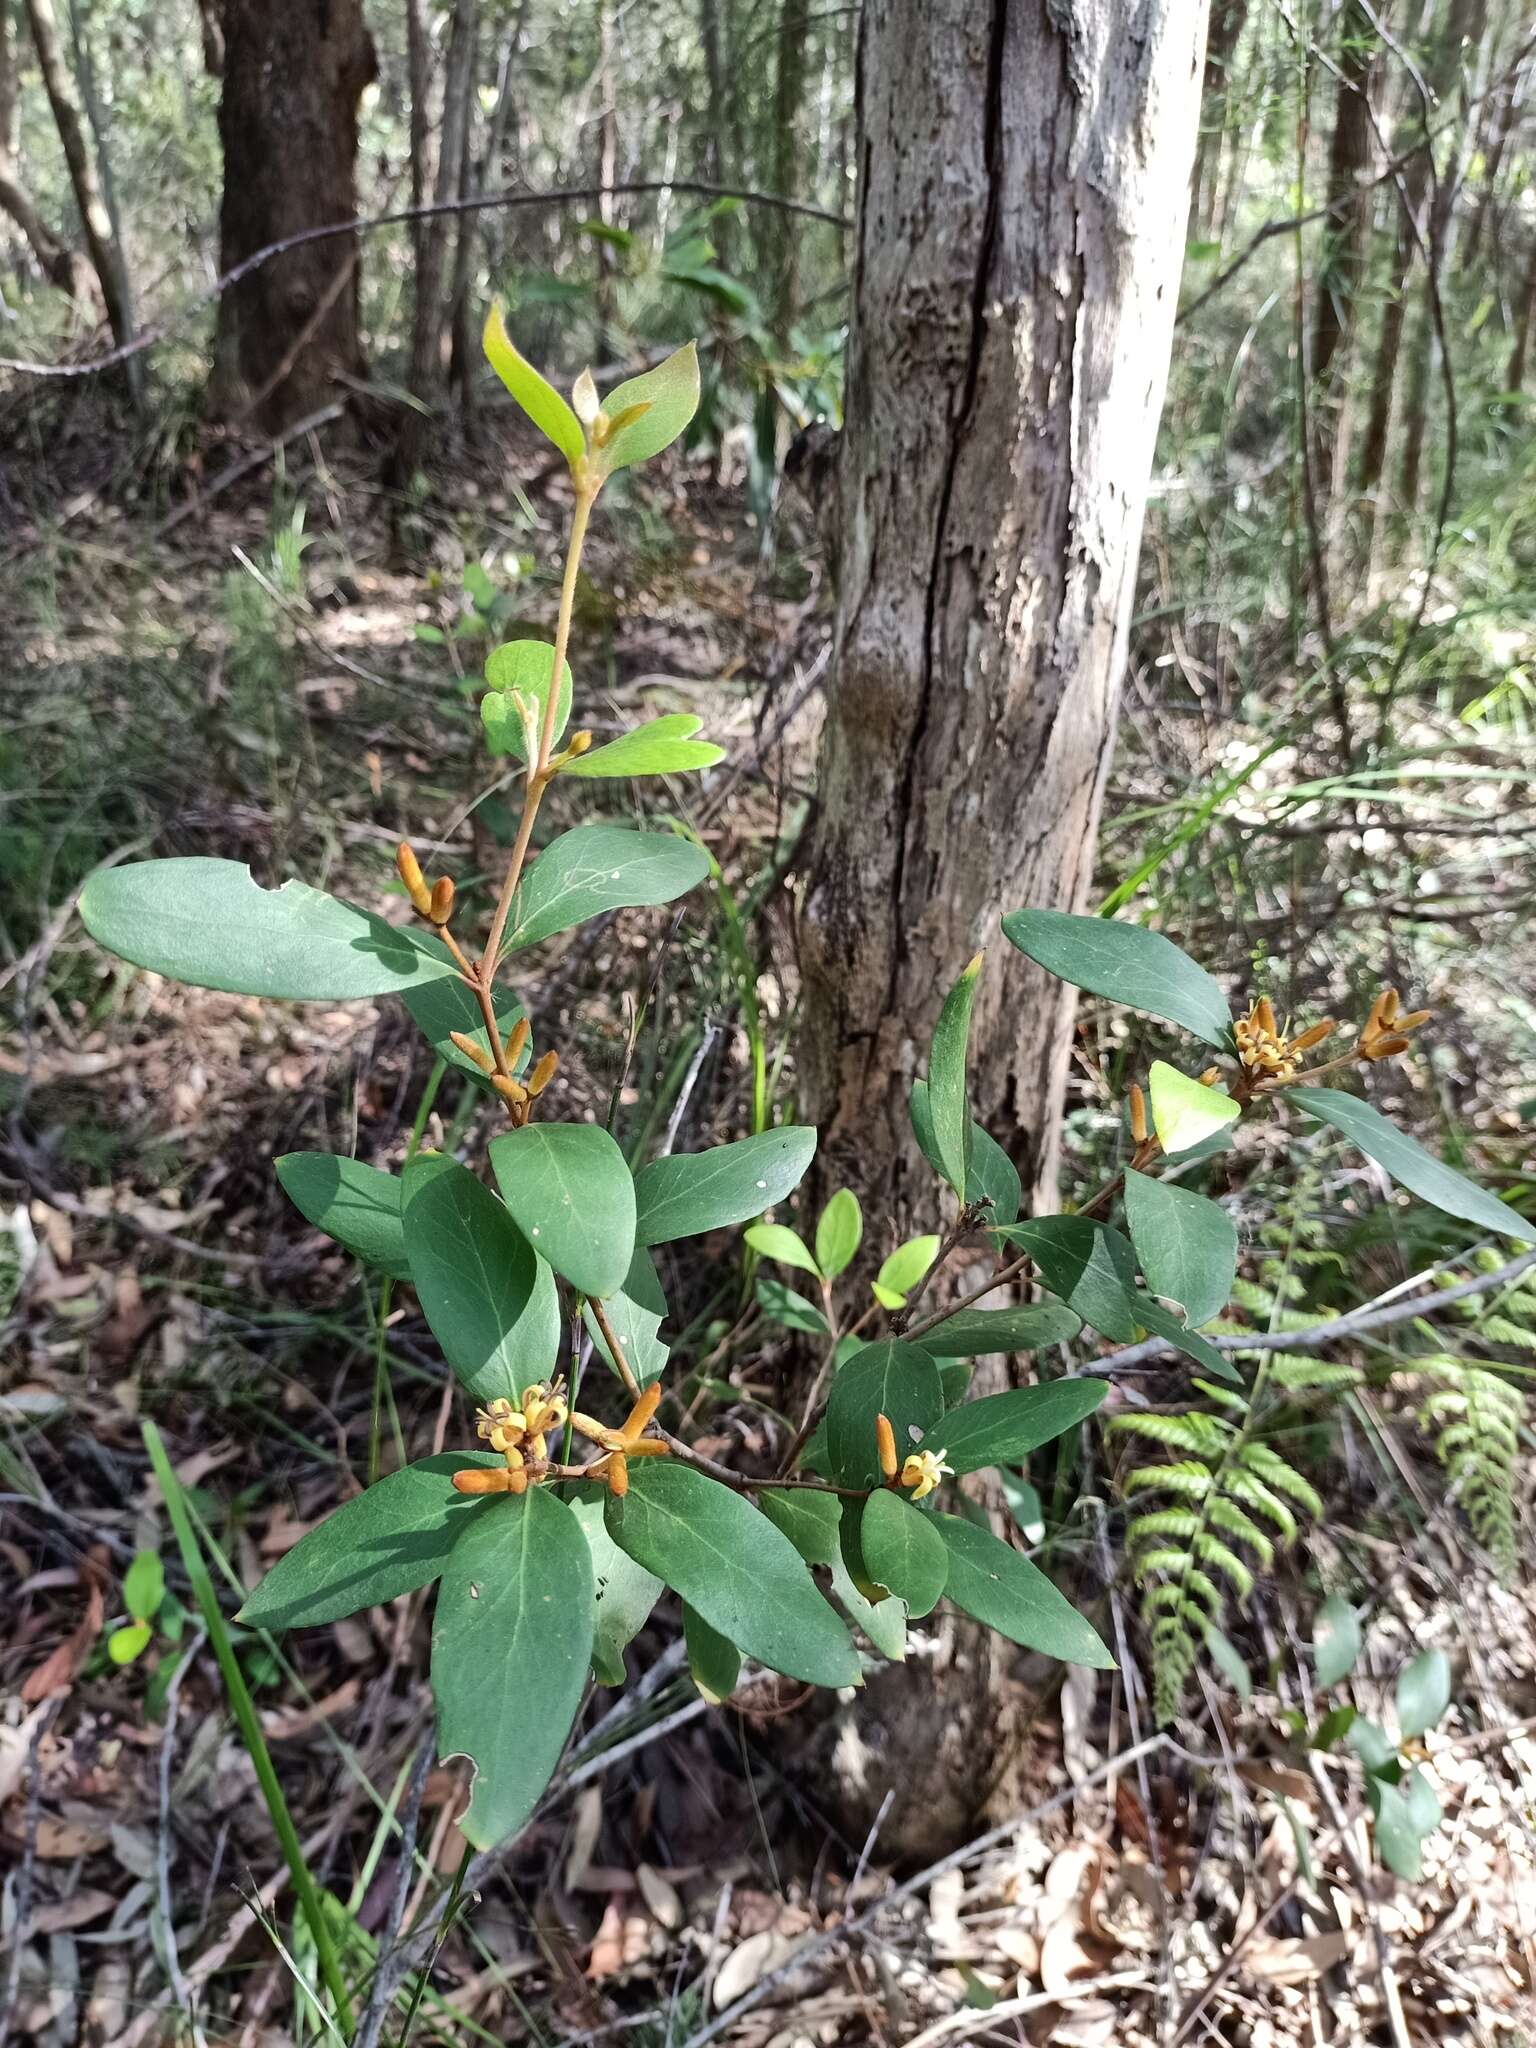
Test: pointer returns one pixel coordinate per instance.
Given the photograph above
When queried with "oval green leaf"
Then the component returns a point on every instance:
(1087, 1265)
(948, 1115)
(1186, 1246)
(1423, 1693)
(596, 868)
(568, 1190)
(1406, 1160)
(775, 1241)
(666, 746)
(491, 1301)
(995, 1586)
(903, 1552)
(440, 1008)
(742, 1574)
(511, 1643)
(990, 1174)
(1002, 1429)
(1335, 1640)
(692, 1192)
(527, 667)
(357, 1206)
(892, 1379)
(838, 1233)
(714, 1664)
(1186, 1113)
(808, 1518)
(626, 1592)
(670, 395)
(1125, 963)
(211, 924)
(535, 394)
(976, 1332)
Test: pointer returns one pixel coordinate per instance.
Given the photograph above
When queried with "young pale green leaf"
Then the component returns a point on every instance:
(491, 1301)
(144, 1586)
(596, 868)
(990, 1174)
(791, 1311)
(209, 922)
(692, 1192)
(714, 1664)
(1409, 1164)
(1186, 1245)
(1002, 1429)
(892, 1379)
(1398, 1835)
(440, 1008)
(947, 1111)
(666, 746)
(808, 1519)
(670, 395)
(357, 1206)
(976, 1332)
(1186, 1113)
(1087, 1265)
(775, 1241)
(904, 1268)
(903, 1552)
(1423, 1693)
(742, 1573)
(535, 394)
(391, 1539)
(1125, 963)
(129, 1641)
(995, 1586)
(626, 1592)
(568, 1190)
(838, 1232)
(526, 666)
(511, 1643)
(1335, 1640)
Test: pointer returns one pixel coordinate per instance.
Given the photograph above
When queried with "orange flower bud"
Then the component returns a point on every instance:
(543, 1073)
(1210, 1077)
(1138, 1115)
(1384, 1048)
(440, 904)
(472, 1050)
(1314, 1036)
(885, 1439)
(415, 882)
(517, 1038)
(486, 1479)
(618, 1474)
(1264, 1015)
(1388, 1001)
(1413, 1020)
(510, 1090)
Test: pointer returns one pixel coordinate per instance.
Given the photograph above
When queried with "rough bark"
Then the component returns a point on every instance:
(105, 250)
(293, 73)
(1025, 175)
(1349, 157)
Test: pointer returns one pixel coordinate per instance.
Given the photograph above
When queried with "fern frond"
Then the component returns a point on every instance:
(1202, 1436)
(1220, 1557)
(1163, 1522)
(1474, 1418)
(1188, 1477)
(1225, 1514)
(1269, 1466)
(1253, 1493)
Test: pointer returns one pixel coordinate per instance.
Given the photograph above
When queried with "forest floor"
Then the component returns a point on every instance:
(250, 683)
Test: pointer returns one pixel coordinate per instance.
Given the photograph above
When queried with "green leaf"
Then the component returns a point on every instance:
(389, 1540)
(990, 1174)
(664, 746)
(626, 1592)
(1158, 1321)
(1186, 1245)
(975, 1332)
(809, 1519)
(527, 667)
(892, 1379)
(670, 394)
(1335, 1640)
(838, 1232)
(713, 1663)
(1225, 1656)
(1002, 1429)
(950, 1118)
(1423, 1693)
(568, 1190)
(1408, 1163)
(440, 1008)
(1333, 1727)
(1025, 1507)
(903, 1551)
(1423, 1806)
(692, 1192)
(128, 1642)
(537, 397)
(1087, 1265)
(511, 1643)
(904, 1268)
(788, 1309)
(1373, 1745)
(355, 1205)
(491, 1301)
(596, 868)
(883, 1621)
(1127, 964)
(995, 1586)
(144, 1586)
(209, 923)
(742, 1573)
(774, 1241)
(955, 1376)
(1398, 1836)
(1186, 1113)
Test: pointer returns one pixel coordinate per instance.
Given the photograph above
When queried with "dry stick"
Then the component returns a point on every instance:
(924, 1878)
(256, 459)
(474, 202)
(372, 2023)
(1317, 1336)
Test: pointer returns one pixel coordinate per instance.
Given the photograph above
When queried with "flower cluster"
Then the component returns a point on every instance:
(1385, 1031)
(1266, 1053)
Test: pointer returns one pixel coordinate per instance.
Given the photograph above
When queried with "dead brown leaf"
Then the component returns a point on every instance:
(59, 1669)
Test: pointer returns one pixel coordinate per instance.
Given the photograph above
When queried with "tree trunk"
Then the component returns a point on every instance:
(293, 73)
(1226, 25)
(784, 229)
(1025, 180)
(1349, 157)
(62, 266)
(106, 251)
(1514, 376)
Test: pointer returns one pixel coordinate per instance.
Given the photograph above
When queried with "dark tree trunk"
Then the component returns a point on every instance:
(293, 73)
(783, 229)
(1025, 179)
(1349, 157)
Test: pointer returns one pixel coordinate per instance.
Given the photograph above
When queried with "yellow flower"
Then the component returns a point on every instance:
(1265, 1050)
(923, 1471)
(622, 1444)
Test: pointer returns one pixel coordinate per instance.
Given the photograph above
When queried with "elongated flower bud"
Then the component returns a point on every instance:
(510, 1090)
(1139, 1129)
(415, 881)
(885, 1438)
(1315, 1036)
(485, 1479)
(1384, 1048)
(543, 1073)
(473, 1051)
(440, 904)
(517, 1038)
